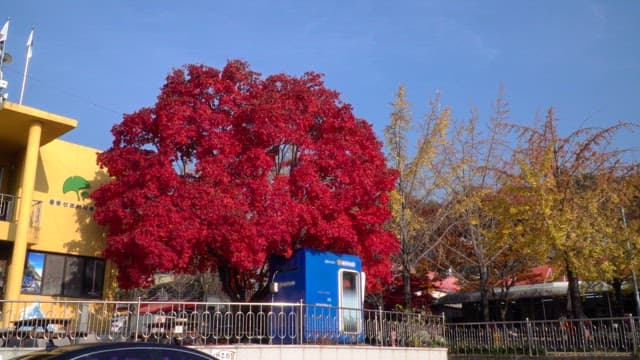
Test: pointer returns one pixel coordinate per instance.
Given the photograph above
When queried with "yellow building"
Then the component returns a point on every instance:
(50, 245)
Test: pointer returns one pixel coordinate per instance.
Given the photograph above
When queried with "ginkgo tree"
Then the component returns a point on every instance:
(418, 214)
(483, 247)
(517, 253)
(575, 197)
(229, 167)
(619, 265)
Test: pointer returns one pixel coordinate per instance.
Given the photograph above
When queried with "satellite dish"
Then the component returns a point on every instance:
(7, 59)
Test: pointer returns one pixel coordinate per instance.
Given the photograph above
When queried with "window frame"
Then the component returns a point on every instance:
(81, 276)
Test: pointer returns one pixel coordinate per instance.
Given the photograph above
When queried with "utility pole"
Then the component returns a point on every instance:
(633, 271)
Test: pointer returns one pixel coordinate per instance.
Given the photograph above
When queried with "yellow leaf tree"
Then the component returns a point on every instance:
(417, 151)
(619, 262)
(477, 249)
(515, 252)
(575, 201)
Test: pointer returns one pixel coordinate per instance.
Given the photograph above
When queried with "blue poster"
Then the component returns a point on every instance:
(32, 278)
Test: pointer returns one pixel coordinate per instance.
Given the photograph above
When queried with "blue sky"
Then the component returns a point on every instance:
(94, 61)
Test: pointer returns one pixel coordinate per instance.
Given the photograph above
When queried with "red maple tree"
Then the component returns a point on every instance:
(228, 167)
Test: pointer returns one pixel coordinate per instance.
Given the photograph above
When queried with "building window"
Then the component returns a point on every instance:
(63, 275)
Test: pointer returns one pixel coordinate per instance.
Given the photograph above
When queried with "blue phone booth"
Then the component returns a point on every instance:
(330, 285)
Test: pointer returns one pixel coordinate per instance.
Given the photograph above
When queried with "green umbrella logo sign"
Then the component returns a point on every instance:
(76, 184)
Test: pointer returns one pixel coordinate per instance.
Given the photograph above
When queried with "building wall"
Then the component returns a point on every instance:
(66, 173)
(67, 224)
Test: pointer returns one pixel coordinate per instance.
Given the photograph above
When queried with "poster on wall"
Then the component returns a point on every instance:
(32, 278)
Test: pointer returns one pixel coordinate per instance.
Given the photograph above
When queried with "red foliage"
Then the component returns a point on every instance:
(237, 203)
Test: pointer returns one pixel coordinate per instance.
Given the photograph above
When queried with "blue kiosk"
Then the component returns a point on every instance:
(331, 287)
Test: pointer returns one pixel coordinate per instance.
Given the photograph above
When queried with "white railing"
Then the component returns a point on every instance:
(538, 338)
(6, 207)
(36, 212)
(27, 324)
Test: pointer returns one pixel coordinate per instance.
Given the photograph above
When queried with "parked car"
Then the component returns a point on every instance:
(112, 351)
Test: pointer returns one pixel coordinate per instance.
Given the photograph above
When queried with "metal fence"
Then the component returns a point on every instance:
(28, 323)
(8, 204)
(6, 207)
(37, 323)
(535, 338)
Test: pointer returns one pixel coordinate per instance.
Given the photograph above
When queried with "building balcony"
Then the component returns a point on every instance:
(8, 218)
(7, 204)
(16, 120)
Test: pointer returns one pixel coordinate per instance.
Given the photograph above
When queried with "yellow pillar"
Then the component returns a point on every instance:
(14, 273)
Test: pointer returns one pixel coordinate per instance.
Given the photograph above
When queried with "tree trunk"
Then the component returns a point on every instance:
(503, 301)
(484, 294)
(618, 305)
(573, 292)
(229, 280)
(504, 309)
(406, 287)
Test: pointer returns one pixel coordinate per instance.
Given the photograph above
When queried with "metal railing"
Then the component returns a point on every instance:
(7, 206)
(28, 323)
(535, 338)
(36, 213)
(7, 203)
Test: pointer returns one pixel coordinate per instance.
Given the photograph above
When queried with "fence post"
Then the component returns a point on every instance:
(137, 319)
(301, 322)
(529, 337)
(634, 335)
(381, 333)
